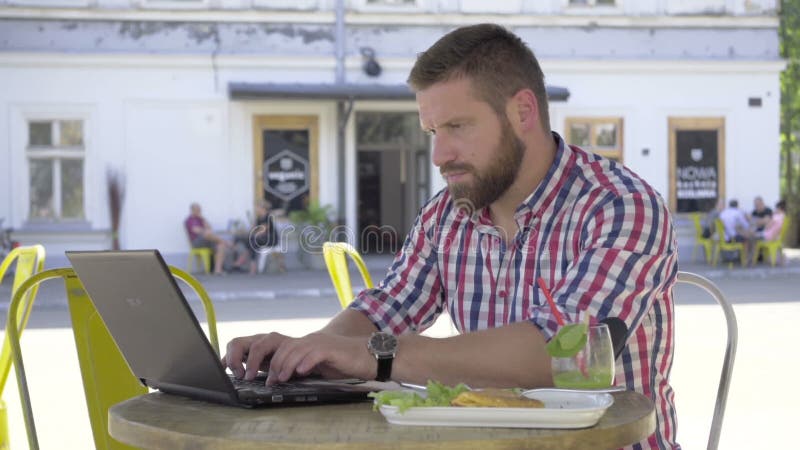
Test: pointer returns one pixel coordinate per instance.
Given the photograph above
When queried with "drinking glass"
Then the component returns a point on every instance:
(592, 367)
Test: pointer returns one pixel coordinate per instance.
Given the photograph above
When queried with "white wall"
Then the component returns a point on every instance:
(169, 125)
(646, 95)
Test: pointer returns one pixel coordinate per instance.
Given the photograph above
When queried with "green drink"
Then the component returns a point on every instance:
(574, 379)
(582, 357)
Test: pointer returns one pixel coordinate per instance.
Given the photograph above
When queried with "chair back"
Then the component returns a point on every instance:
(335, 259)
(730, 351)
(29, 260)
(784, 226)
(698, 225)
(722, 244)
(107, 379)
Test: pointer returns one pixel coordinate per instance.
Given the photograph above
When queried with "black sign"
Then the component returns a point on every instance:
(696, 170)
(286, 168)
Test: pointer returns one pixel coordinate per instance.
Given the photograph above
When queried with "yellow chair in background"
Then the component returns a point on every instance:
(29, 260)
(772, 247)
(107, 380)
(335, 260)
(201, 254)
(699, 241)
(727, 246)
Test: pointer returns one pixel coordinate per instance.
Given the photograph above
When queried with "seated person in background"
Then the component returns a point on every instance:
(772, 230)
(760, 216)
(735, 222)
(520, 204)
(264, 236)
(202, 236)
(708, 222)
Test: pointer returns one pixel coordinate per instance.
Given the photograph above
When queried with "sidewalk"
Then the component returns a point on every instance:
(305, 283)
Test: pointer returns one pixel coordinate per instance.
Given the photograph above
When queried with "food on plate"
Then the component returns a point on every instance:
(437, 394)
(496, 398)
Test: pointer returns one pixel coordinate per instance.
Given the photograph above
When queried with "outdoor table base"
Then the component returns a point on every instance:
(163, 421)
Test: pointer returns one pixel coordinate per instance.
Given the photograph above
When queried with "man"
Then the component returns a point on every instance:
(520, 204)
(761, 214)
(735, 222)
(201, 235)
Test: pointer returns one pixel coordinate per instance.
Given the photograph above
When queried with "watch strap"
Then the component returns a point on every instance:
(384, 368)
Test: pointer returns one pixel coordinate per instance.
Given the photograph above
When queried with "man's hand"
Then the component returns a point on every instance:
(254, 351)
(331, 356)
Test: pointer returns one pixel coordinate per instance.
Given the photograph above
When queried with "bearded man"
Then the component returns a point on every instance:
(520, 205)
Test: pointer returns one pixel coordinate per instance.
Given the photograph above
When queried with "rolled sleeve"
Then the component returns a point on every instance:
(628, 262)
(409, 299)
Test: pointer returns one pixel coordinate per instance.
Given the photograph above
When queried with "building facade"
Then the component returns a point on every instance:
(225, 102)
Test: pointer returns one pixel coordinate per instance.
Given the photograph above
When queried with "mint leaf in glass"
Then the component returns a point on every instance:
(569, 340)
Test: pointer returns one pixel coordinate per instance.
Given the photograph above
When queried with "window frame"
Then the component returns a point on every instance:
(617, 152)
(55, 154)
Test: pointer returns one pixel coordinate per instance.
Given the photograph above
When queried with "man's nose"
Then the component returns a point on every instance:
(443, 151)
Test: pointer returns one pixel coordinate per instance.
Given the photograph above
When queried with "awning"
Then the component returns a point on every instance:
(298, 91)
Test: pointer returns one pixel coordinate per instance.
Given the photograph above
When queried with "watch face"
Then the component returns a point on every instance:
(383, 343)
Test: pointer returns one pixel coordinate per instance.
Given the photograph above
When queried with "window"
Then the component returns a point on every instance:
(600, 135)
(55, 155)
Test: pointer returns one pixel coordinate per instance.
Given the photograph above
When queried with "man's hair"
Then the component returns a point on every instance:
(781, 204)
(733, 203)
(494, 59)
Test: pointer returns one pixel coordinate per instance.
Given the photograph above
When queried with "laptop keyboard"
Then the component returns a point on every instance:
(258, 386)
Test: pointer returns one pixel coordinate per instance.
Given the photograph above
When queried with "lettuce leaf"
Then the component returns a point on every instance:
(438, 394)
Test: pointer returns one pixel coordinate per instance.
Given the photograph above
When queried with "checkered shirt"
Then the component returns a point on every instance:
(600, 237)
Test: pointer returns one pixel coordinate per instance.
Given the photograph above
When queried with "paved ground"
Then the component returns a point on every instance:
(760, 412)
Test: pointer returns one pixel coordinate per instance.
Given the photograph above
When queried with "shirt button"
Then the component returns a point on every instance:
(502, 294)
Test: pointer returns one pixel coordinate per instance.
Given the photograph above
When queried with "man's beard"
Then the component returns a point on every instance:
(491, 183)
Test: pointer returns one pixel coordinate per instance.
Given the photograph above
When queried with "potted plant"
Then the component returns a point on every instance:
(314, 226)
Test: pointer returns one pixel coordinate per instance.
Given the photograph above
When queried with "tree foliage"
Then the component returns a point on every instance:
(790, 111)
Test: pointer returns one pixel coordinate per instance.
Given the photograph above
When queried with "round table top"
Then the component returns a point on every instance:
(163, 421)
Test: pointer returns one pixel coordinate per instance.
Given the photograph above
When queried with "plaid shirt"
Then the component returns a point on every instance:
(600, 237)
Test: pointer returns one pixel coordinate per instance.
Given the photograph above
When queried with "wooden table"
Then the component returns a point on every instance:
(162, 421)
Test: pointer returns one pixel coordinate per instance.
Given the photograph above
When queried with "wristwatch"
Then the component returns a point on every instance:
(383, 347)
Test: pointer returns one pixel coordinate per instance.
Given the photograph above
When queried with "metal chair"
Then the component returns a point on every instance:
(107, 379)
(730, 352)
(29, 260)
(334, 254)
(699, 241)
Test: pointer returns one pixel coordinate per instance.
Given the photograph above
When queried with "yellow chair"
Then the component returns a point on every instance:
(107, 380)
(334, 253)
(201, 254)
(699, 241)
(727, 246)
(29, 260)
(772, 247)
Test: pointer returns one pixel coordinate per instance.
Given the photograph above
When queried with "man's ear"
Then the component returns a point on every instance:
(523, 109)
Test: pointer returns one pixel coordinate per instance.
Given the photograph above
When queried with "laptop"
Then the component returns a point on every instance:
(160, 338)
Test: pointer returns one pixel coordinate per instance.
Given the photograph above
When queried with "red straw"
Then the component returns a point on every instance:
(549, 297)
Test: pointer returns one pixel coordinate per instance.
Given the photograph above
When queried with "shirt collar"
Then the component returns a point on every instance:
(537, 202)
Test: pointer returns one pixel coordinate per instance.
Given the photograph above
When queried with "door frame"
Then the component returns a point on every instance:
(263, 122)
(689, 124)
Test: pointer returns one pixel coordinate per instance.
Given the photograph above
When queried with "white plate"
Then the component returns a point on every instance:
(561, 410)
